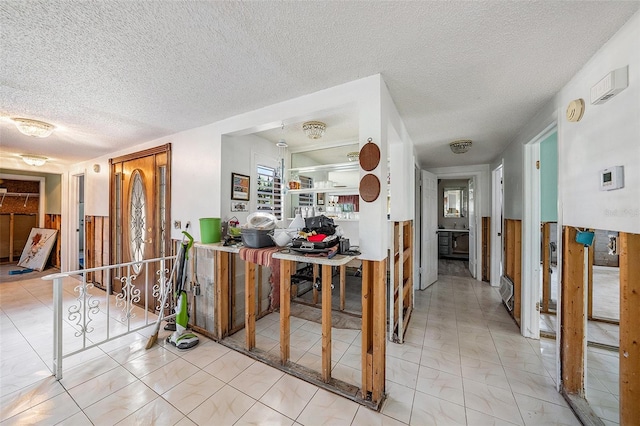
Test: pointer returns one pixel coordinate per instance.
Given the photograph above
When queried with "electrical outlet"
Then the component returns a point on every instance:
(177, 224)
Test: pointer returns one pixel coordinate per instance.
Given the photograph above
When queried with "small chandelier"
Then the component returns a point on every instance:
(35, 128)
(353, 156)
(314, 129)
(34, 160)
(460, 146)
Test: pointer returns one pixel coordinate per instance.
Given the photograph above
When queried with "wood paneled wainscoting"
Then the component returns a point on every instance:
(97, 248)
(513, 261)
(54, 221)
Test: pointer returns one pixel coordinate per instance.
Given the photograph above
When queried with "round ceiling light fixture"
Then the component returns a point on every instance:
(353, 156)
(460, 146)
(314, 129)
(35, 128)
(34, 160)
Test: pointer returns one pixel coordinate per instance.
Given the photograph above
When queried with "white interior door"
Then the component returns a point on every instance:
(429, 241)
(496, 228)
(472, 228)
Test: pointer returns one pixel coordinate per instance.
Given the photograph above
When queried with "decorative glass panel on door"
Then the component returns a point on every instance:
(137, 219)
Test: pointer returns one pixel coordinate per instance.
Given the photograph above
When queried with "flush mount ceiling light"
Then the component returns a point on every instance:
(353, 156)
(314, 129)
(34, 160)
(29, 127)
(460, 146)
(282, 144)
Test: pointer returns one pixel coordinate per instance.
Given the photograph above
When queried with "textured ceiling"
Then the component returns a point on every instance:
(113, 74)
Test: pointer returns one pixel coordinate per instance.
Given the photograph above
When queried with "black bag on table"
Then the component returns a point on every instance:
(321, 224)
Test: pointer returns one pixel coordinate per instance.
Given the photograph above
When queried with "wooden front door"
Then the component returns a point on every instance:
(140, 217)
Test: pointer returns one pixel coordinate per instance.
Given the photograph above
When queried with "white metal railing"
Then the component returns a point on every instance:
(95, 316)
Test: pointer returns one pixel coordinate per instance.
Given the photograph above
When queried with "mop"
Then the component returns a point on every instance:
(181, 338)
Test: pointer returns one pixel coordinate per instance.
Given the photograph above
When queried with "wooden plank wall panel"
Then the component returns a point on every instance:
(54, 221)
(379, 328)
(89, 252)
(546, 266)
(517, 269)
(486, 249)
(96, 248)
(573, 312)
(513, 261)
(367, 329)
(592, 257)
(629, 328)
(509, 248)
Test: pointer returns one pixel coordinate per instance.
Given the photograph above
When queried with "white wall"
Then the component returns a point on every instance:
(401, 162)
(197, 156)
(241, 155)
(608, 135)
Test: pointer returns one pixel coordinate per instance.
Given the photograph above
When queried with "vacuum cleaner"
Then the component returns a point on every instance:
(181, 338)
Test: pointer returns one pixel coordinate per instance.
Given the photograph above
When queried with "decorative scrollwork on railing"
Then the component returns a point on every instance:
(127, 297)
(158, 290)
(91, 307)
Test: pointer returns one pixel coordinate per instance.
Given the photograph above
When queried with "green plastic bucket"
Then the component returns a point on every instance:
(210, 230)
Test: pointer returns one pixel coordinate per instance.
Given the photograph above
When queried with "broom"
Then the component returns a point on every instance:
(154, 336)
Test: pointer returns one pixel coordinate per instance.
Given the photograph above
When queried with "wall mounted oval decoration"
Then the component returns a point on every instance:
(369, 156)
(369, 187)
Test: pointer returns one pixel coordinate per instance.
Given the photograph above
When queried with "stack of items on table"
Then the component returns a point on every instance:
(320, 235)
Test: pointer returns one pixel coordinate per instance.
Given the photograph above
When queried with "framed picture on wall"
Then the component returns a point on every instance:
(239, 187)
(239, 206)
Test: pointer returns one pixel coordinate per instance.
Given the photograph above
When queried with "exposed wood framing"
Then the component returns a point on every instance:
(96, 248)
(509, 248)
(546, 266)
(401, 286)
(629, 328)
(12, 223)
(221, 273)
(259, 301)
(592, 257)
(572, 340)
(343, 282)
(486, 249)
(517, 270)
(54, 221)
(513, 262)
(250, 304)
(373, 329)
(326, 323)
(285, 310)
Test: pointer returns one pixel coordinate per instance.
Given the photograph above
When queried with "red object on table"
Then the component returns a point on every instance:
(316, 238)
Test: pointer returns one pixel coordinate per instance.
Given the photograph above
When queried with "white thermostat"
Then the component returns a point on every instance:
(612, 178)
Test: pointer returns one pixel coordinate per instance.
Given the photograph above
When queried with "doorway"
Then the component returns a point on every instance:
(456, 232)
(480, 175)
(497, 215)
(140, 213)
(79, 225)
(540, 205)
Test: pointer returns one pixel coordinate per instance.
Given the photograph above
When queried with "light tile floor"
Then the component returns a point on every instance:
(464, 362)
